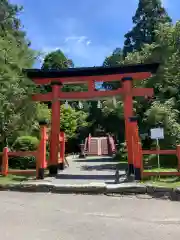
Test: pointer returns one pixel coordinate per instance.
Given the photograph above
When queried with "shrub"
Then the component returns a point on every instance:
(121, 153)
(24, 143)
(166, 161)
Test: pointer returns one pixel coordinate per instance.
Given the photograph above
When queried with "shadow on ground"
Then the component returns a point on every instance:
(97, 160)
(105, 167)
(85, 177)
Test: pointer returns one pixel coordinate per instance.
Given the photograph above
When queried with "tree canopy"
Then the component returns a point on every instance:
(16, 107)
(149, 14)
(153, 38)
(56, 60)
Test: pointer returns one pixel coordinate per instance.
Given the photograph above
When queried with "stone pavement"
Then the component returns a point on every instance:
(89, 170)
(40, 216)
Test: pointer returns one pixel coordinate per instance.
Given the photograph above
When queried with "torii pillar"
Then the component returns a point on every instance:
(128, 112)
(55, 128)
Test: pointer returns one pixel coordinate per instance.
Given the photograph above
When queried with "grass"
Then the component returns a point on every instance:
(170, 182)
(10, 179)
(161, 170)
(18, 178)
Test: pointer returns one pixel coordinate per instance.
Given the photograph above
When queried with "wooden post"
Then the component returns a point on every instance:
(128, 112)
(89, 143)
(5, 162)
(137, 149)
(41, 159)
(178, 156)
(62, 151)
(55, 129)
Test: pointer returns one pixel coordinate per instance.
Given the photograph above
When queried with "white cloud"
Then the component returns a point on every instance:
(82, 53)
(88, 42)
(77, 46)
(76, 38)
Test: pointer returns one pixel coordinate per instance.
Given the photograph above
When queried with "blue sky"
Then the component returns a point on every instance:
(85, 30)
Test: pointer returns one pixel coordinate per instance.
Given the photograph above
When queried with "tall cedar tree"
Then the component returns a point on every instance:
(16, 107)
(146, 19)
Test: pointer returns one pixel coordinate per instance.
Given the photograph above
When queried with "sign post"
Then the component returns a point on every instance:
(157, 133)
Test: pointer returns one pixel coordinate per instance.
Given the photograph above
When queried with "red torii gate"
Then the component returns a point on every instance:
(56, 79)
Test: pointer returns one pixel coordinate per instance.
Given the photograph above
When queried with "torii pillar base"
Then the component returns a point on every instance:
(61, 166)
(130, 169)
(53, 170)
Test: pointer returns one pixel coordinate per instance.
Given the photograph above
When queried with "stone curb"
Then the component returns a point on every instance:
(123, 189)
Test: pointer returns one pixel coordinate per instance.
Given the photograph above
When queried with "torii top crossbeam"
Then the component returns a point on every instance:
(90, 75)
(79, 75)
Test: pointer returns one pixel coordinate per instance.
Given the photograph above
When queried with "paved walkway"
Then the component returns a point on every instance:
(29, 216)
(89, 170)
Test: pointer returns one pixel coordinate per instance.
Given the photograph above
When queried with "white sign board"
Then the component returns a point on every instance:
(157, 133)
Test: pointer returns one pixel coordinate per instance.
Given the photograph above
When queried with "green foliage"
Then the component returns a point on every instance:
(43, 113)
(121, 154)
(166, 116)
(148, 15)
(114, 59)
(16, 108)
(166, 161)
(24, 143)
(72, 121)
(153, 38)
(56, 60)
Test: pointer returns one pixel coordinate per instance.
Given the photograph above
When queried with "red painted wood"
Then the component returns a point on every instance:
(92, 94)
(128, 112)
(62, 146)
(178, 156)
(42, 149)
(167, 152)
(137, 149)
(91, 86)
(104, 78)
(55, 126)
(22, 154)
(47, 97)
(22, 172)
(5, 162)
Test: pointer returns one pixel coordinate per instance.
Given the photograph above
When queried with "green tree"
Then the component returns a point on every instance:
(56, 60)
(72, 121)
(10, 22)
(164, 109)
(114, 59)
(16, 108)
(149, 14)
